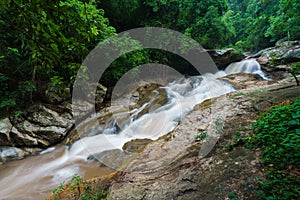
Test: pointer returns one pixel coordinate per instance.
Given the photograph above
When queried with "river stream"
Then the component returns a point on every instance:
(35, 176)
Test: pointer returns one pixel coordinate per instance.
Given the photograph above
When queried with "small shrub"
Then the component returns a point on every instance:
(201, 136)
(278, 137)
(233, 196)
(80, 189)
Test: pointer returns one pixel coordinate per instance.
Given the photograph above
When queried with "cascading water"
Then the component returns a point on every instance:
(34, 177)
(250, 66)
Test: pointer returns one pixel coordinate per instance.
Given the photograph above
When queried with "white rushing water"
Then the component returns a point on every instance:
(250, 66)
(34, 177)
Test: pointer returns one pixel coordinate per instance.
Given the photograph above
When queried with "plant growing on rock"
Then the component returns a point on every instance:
(201, 136)
(295, 70)
(79, 189)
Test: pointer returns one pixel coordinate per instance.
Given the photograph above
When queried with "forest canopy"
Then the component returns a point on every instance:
(44, 42)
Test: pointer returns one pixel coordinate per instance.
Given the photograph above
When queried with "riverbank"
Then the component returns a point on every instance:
(173, 167)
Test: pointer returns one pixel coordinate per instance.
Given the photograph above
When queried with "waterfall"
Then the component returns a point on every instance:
(249, 66)
(34, 177)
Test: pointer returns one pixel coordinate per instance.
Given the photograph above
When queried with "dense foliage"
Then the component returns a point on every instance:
(278, 135)
(258, 24)
(202, 20)
(44, 43)
(249, 24)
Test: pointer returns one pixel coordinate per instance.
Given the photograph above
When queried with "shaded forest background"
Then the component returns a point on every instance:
(42, 44)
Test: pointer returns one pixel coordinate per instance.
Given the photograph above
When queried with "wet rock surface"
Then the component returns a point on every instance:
(136, 145)
(224, 57)
(39, 127)
(91, 126)
(120, 110)
(178, 167)
(152, 93)
(5, 128)
(286, 52)
(8, 153)
(243, 80)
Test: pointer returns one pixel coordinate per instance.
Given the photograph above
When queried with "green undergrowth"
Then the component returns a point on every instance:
(277, 135)
(79, 189)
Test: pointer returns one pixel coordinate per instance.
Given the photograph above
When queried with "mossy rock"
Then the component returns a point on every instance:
(136, 145)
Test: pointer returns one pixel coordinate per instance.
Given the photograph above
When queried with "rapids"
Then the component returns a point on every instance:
(35, 177)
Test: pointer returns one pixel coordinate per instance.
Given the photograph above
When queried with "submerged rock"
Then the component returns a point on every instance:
(243, 80)
(136, 145)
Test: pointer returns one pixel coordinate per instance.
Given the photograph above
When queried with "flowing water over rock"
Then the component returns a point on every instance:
(34, 177)
(250, 66)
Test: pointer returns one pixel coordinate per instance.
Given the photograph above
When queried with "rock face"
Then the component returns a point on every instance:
(5, 128)
(287, 52)
(224, 57)
(9, 153)
(152, 93)
(83, 107)
(43, 124)
(39, 127)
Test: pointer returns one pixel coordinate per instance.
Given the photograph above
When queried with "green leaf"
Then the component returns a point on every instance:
(296, 115)
(294, 122)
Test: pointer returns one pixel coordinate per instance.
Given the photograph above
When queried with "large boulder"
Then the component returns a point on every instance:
(5, 128)
(224, 57)
(82, 107)
(287, 52)
(41, 115)
(22, 139)
(41, 127)
(151, 93)
(10, 153)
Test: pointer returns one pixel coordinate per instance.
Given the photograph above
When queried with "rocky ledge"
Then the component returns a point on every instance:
(41, 126)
